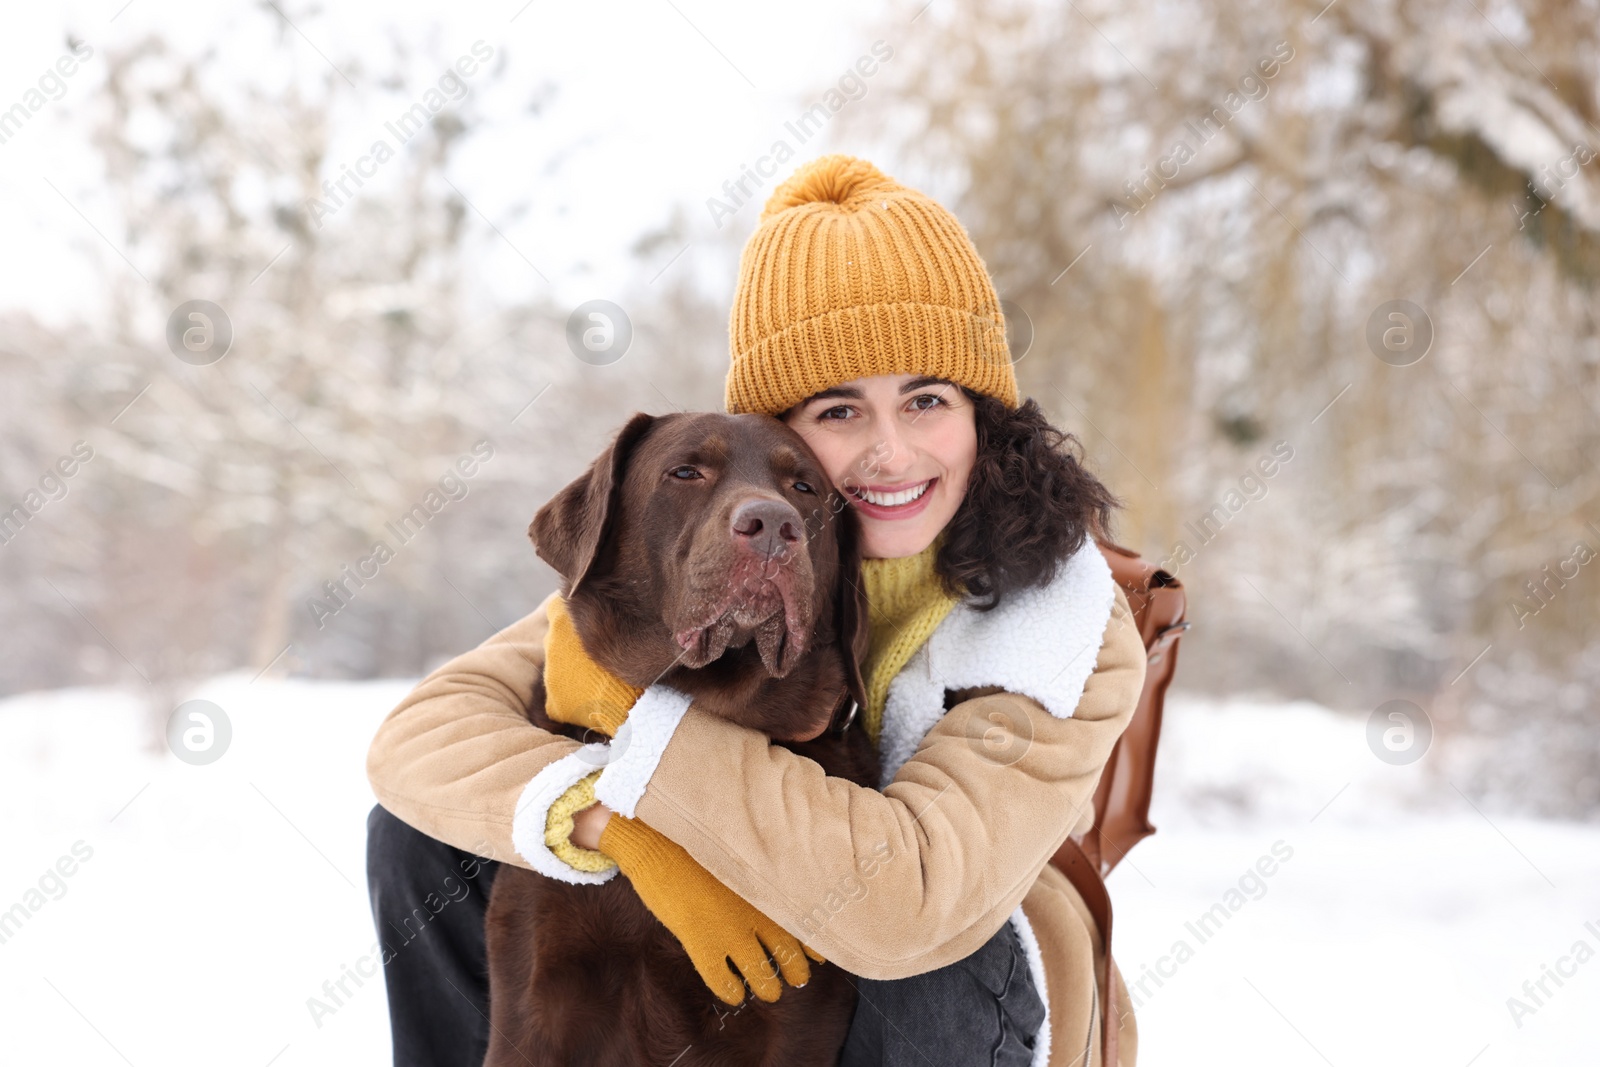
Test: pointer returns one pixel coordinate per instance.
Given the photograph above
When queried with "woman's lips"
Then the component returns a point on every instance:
(894, 511)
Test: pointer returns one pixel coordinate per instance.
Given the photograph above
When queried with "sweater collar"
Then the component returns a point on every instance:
(906, 601)
(896, 588)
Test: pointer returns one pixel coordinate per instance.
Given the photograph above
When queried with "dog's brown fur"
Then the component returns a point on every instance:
(710, 553)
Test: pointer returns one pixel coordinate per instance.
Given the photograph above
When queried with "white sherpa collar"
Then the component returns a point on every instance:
(1040, 643)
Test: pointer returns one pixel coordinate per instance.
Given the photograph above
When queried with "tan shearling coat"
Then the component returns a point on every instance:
(979, 791)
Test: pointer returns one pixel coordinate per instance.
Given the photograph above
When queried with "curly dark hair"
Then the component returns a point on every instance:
(1029, 505)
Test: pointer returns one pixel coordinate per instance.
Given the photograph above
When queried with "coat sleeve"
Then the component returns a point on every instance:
(899, 882)
(459, 760)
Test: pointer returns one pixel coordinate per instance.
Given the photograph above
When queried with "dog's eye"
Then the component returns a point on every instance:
(684, 473)
(804, 487)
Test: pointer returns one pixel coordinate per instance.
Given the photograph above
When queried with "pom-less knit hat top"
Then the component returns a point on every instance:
(848, 275)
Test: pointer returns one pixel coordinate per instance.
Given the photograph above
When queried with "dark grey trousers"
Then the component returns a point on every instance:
(981, 1011)
(428, 904)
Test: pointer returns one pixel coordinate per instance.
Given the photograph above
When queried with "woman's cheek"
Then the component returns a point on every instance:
(838, 455)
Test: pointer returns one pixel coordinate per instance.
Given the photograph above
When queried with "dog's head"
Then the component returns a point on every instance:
(693, 536)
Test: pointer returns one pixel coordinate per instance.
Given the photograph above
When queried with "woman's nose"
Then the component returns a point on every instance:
(886, 461)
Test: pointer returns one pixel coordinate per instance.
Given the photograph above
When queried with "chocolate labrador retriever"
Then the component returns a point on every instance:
(711, 553)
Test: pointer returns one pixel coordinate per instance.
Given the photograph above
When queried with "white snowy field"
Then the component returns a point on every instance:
(207, 904)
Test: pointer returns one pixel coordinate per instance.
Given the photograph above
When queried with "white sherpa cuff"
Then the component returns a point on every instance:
(638, 746)
(533, 810)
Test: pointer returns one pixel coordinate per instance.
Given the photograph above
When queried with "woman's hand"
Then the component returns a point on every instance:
(712, 922)
(588, 825)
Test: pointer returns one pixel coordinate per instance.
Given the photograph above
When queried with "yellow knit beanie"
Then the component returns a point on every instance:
(849, 275)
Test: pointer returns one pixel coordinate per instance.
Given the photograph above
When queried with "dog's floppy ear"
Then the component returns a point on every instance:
(854, 636)
(569, 530)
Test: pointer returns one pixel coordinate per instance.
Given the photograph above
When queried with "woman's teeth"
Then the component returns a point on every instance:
(893, 500)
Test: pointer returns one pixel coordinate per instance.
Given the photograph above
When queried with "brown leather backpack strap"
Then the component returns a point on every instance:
(1085, 878)
(1122, 797)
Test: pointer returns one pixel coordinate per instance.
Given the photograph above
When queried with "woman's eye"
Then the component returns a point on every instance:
(804, 487)
(936, 398)
(684, 473)
(838, 411)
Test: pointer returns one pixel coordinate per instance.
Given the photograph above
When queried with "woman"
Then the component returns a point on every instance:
(866, 320)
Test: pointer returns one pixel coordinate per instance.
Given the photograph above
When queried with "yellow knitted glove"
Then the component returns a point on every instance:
(712, 922)
(578, 690)
(558, 828)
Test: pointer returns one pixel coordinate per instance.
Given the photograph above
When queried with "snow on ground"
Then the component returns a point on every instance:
(1402, 921)
(205, 905)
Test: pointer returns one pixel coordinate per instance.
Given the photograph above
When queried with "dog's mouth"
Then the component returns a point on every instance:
(758, 603)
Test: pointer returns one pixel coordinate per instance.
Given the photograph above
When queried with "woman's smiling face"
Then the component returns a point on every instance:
(900, 447)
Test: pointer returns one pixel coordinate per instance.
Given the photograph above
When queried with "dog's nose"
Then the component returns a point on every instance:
(768, 527)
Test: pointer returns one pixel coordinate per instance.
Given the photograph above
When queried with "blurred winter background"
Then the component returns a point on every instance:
(1315, 286)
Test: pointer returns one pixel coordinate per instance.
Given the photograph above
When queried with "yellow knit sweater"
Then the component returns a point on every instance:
(905, 602)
